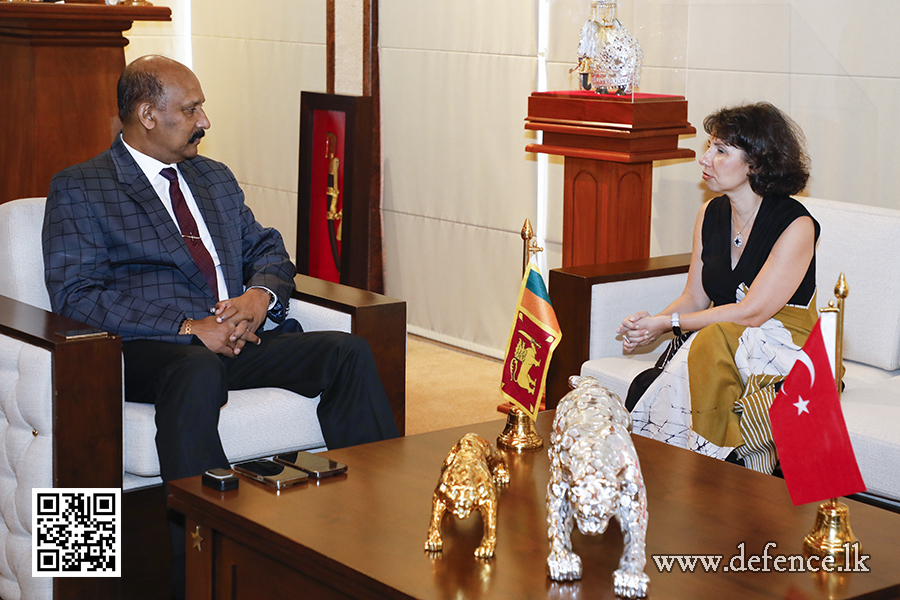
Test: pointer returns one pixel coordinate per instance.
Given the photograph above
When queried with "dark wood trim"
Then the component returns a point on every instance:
(329, 46)
(29, 14)
(198, 562)
(570, 292)
(146, 545)
(87, 395)
(372, 88)
(87, 413)
(370, 44)
(59, 64)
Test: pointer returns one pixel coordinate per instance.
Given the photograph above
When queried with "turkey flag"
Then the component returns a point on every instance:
(809, 429)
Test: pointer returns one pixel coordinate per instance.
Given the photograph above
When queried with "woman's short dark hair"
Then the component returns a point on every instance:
(772, 142)
(138, 85)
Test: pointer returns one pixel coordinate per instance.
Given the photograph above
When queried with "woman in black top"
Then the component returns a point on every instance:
(749, 297)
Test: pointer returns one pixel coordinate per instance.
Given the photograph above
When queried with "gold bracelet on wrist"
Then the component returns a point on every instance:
(186, 326)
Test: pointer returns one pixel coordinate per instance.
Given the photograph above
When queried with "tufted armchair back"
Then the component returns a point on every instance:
(21, 257)
(26, 406)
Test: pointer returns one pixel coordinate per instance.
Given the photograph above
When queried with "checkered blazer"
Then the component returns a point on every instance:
(114, 259)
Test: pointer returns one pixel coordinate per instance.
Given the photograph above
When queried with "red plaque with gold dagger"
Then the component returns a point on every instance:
(326, 203)
(338, 215)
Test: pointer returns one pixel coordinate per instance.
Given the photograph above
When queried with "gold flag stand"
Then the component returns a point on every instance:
(832, 535)
(520, 433)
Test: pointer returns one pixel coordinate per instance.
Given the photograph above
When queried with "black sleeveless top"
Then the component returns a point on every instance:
(776, 213)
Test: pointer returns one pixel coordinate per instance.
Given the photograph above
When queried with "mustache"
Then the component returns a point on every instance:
(197, 135)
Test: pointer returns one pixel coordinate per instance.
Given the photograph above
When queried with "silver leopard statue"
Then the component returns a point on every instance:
(594, 475)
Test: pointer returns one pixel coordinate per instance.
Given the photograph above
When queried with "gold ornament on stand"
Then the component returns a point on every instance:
(520, 433)
(470, 480)
(832, 534)
(609, 58)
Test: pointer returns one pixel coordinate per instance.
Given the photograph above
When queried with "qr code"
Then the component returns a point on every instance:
(75, 532)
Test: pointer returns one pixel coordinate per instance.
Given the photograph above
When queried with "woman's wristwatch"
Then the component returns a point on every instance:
(676, 325)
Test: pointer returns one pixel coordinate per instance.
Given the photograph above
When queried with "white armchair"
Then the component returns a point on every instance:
(66, 424)
(861, 241)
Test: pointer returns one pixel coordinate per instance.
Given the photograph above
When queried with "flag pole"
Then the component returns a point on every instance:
(520, 433)
(832, 535)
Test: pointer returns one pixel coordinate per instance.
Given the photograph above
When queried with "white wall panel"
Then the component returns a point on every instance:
(851, 125)
(859, 37)
(275, 208)
(301, 21)
(497, 27)
(740, 37)
(258, 131)
(456, 151)
(169, 38)
(458, 186)
(253, 60)
(348, 47)
(460, 281)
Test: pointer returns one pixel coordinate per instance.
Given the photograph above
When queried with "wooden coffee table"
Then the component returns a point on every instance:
(362, 535)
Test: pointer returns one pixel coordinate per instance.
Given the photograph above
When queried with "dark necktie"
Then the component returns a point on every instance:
(189, 231)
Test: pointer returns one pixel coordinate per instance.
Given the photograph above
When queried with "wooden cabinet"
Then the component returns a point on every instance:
(59, 65)
(609, 143)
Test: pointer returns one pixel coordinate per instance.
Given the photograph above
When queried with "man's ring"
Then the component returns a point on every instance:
(627, 339)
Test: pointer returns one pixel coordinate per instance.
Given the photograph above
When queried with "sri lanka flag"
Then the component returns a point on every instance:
(532, 339)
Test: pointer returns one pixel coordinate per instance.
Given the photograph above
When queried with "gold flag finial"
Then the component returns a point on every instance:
(531, 246)
(527, 231)
(840, 288)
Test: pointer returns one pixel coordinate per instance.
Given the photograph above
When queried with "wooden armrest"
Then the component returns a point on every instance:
(87, 395)
(570, 292)
(87, 412)
(379, 319)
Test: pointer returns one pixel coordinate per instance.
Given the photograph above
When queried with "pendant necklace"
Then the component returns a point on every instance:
(738, 240)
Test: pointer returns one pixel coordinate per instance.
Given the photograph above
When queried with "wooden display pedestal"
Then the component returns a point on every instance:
(59, 64)
(609, 143)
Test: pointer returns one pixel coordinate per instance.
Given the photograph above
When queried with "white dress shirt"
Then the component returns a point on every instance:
(151, 168)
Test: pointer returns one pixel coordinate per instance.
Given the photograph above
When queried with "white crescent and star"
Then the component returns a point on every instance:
(802, 404)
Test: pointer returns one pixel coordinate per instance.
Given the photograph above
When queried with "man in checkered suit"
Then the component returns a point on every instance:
(115, 259)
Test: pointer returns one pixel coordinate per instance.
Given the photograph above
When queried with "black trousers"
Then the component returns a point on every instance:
(189, 384)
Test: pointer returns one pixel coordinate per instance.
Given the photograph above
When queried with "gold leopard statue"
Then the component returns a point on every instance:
(470, 479)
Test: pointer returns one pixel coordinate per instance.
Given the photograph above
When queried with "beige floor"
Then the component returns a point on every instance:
(448, 387)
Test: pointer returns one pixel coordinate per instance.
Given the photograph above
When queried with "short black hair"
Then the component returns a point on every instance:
(138, 85)
(773, 145)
